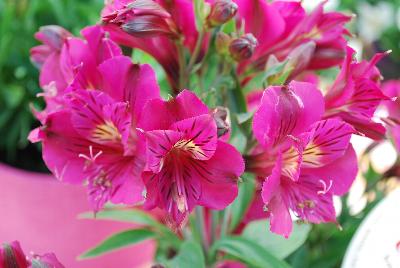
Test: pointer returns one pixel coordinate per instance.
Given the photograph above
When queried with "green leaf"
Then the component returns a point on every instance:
(134, 216)
(124, 215)
(244, 117)
(119, 240)
(190, 255)
(280, 247)
(248, 252)
(241, 203)
(201, 10)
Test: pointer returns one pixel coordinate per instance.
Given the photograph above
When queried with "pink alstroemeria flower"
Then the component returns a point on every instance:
(356, 94)
(93, 139)
(281, 27)
(303, 159)
(12, 256)
(392, 89)
(69, 60)
(186, 163)
(178, 14)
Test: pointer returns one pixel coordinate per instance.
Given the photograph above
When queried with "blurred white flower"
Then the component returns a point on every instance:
(373, 20)
(311, 4)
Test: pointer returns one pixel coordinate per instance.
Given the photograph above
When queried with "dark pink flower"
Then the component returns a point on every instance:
(282, 26)
(93, 139)
(186, 163)
(303, 159)
(356, 94)
(179, 13)
(72, 60)
(392, 89)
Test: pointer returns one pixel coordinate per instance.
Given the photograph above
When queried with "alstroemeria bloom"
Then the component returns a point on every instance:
(303, 159)
(392, 89)
(12, 256)
(180, 13)
(282, 26)
(356, 94)
(186, 163)
(70, 60)
(93, 139)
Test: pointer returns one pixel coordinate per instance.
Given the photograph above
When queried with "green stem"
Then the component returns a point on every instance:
(201, 228)
(182, 66)
(214, 225)
(225, 221)
(196, 52)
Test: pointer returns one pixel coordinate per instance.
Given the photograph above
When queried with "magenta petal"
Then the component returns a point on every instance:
(271, 184)
(287, 111)
(99, 119)
(280, 220)
(226, 165)
(200, 138)
(158, 114)
(60, 148)
(51, 72)
(263, 20)
(217, 196)
(125, 81)
(219, 183)
(340, 174)
(327, 141)
(159, 144)
(99, 44)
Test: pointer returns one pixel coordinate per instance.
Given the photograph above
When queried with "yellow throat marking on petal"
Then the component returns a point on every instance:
(191, 147)
(106, 132)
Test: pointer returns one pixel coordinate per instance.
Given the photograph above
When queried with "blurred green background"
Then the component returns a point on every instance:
(19, 20)
(376, 28)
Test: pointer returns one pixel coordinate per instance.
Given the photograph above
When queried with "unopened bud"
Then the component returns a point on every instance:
(221, 12)
(142, 18)
(221, 117)
(148, 26)
(300, 57)
(243, 48)
(53, 38)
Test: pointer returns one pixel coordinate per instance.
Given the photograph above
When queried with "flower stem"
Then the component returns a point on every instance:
(201, 228)
(182, 66)
(225, 221)
(196, 52)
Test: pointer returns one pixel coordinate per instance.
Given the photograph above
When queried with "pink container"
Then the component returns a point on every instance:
(41, 213)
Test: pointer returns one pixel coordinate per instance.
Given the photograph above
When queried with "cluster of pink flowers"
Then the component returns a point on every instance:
(106, 126)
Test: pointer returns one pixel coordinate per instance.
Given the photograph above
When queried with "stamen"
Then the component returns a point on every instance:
(91, 158)
(325, 187)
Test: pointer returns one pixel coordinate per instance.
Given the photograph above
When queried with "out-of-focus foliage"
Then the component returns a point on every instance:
(19, 20)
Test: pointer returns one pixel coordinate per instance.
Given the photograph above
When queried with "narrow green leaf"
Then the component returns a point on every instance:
(190, 255)
(248, 252)
(135, 216)
(280, 247)
(124, 215)
(244, 117)
(119, 240)
(240, 205)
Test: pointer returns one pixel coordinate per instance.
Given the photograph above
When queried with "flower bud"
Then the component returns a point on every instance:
(300, 57)
(141, 18)
(221, 12)
(243, 48)
(148, 26)
(221, 117)
(53, 38)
